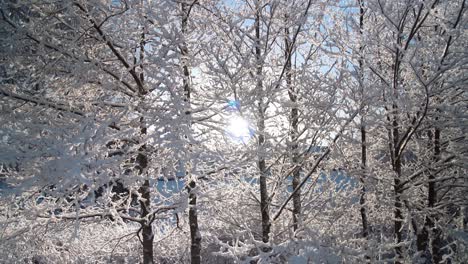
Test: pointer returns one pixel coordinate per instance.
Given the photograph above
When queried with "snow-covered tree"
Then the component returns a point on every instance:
(208, 131)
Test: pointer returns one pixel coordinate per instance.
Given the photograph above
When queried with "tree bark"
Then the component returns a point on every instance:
(398, 205)
(146, 229)
(362, 200)
(195, 236)
(432, 200)
(294, 121)
(396, 151)
(142, 165)
(264, 200)
(145, 204)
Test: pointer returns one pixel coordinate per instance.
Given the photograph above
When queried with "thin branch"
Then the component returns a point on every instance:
(111, 46)
(38, 101)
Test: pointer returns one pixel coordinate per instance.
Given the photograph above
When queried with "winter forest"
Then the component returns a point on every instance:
(233, 131)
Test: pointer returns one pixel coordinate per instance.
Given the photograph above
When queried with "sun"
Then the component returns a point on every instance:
(238, 129)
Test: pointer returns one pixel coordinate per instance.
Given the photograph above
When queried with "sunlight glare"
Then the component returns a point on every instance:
(238, 129)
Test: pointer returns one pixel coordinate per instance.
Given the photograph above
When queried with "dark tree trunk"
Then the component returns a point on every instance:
(362, 200)
(264, 200)
(264, 203)
(398, 222)
(195, 236)
(432, 200)
(398, 190)
(396, 154)
(294, 121)
(145, 204)
(429, 230)
(146, 229)
(142, 165)
(429, 226)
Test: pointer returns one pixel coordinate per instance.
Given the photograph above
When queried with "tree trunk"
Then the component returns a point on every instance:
(146, 229)
(294, 121)
(432, 200)
(264, 201)
(398, 191)
(142, 165)
(396, 155)
(195, 236)
(362, 200)
(145, 204)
